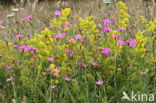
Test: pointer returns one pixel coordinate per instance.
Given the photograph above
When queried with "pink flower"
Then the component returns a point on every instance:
(49, 69)
(34, 49)
(56, 68)
(106, 29)
(23, 20)
(34, 56)
(120, 42)
(66, 25)
(50, 27)
(58, 36)
(50, 59)
(83, 41)
(20, 36)
(1, 55)
(99, 82)
(72, 53)
(131, 42)
(100, 35)
(16, 22)
(110, 13)
(115, 36)
(10, 79)
(1, 22)
(78, 37)
(53, 86)
(67, 79)
(70, 41)
(15, 46)
(57, 12)
(93, 63)
(143, 73)
(67, 50)
(28, 18)
(55, 75)
(28, 35)
(24, 48)
(121, 29)
(85, 66)
(106, 22)
(9, 67)
(106, 51)
(114, 22)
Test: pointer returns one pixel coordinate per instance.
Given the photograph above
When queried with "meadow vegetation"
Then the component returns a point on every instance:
(83, 52)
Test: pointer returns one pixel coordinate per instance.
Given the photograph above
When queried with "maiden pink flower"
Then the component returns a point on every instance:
(66, 25)
(48, 69)
(23, 20)
(78, 37)
(93, 63)
(28, 35)
(58, 36)
(57, 12)
(107, 22)
(1, 22)
(106, 29)
(50, 59)
(56, 68)
(72, 53)
(34, 56)
(15, 46)
(16, 22)
(20, 36)
(121, 29)
(67, 50)
(9, 67)
(120, 42)
(106, 51)
(99, 82)
(1, 55)
(114, 22)
(67, 79)
(70, 41)
(10, 79)
(53, 86)
(34, 49)
(55, 75)
(50, 27)
(115, 36)
(100, 35)
(143, 73)
(110, 13)
(24, 48)
(85, 66)
(28, 18)
(83, 41)
(131, 42)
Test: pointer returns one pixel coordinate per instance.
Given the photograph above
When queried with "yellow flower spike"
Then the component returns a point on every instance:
(119, 69)
(66, 12)
(52, 66)
(143, 20)
(123, 16)
(56, 81)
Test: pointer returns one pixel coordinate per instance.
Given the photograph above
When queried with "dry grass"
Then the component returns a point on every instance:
(43, 11)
